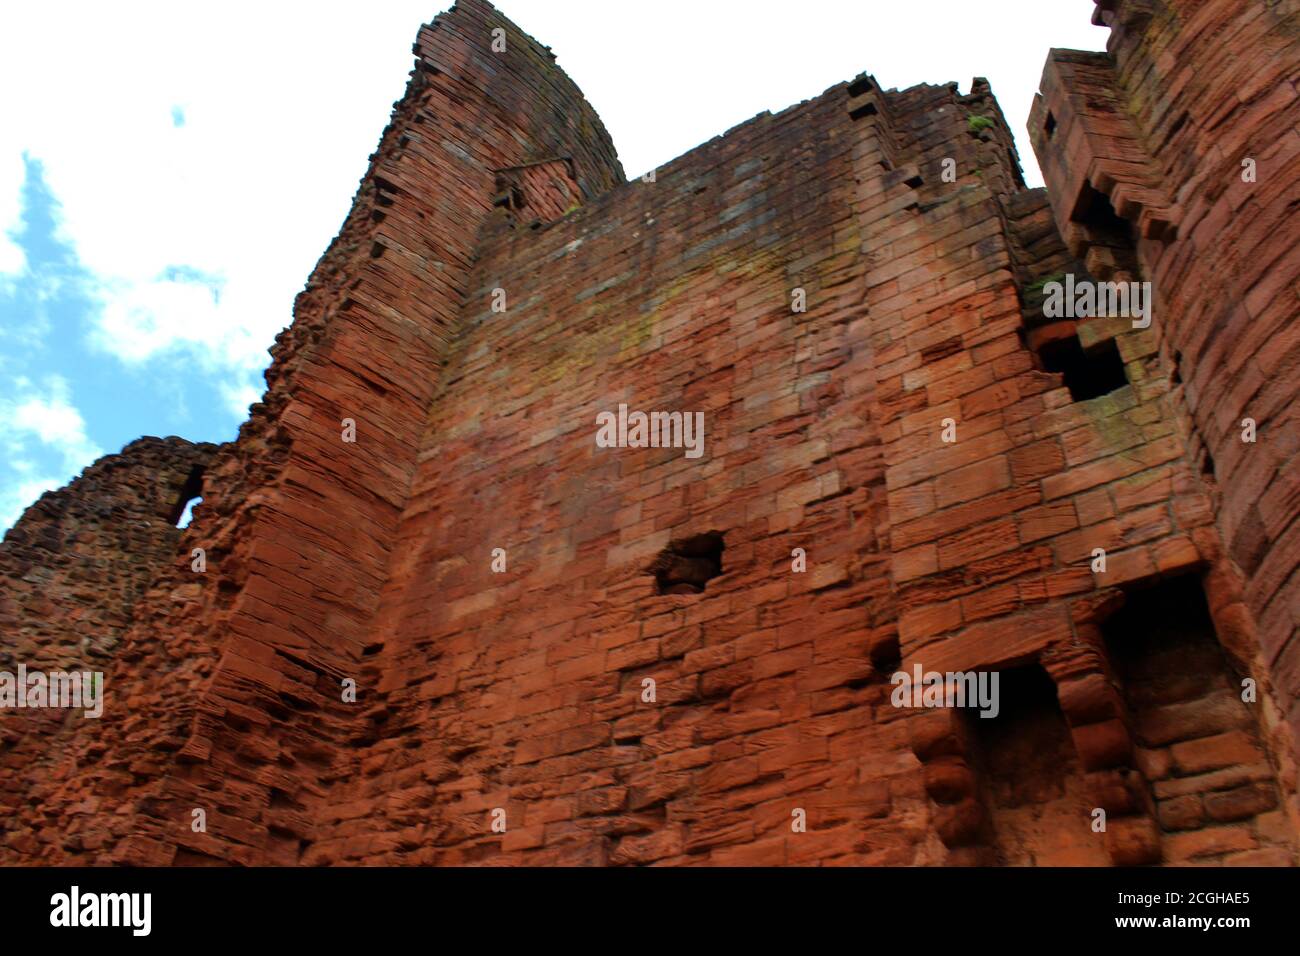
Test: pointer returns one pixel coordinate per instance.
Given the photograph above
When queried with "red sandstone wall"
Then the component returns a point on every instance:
(71, 573)
(298, 526)
(1161, 125)
(522, 690)
(78, 559)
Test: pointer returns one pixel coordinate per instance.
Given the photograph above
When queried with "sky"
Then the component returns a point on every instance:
(171, 171)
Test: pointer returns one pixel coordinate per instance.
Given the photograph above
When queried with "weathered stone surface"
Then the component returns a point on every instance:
(72, 572)
(506, 594)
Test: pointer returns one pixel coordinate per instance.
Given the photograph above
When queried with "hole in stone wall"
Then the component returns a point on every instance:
(1034, 786)
(1050, 126)
(887, 656)
(510, 197)
(863, 84)
(1210, 766)
(687, 564)
(191, 493)
(1088, 374)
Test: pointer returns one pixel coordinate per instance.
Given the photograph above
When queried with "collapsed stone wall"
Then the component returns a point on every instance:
(72, 571)
(78, 559)
(944, 460)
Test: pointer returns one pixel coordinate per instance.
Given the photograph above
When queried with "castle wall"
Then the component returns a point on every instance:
(643, 656)
(299, 524)
(1163, 126)
(72, 570)
(522, 691)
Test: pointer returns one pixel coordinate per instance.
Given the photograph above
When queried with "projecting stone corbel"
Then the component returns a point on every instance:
(1099, 725)
(940, 742)
(1106, 190)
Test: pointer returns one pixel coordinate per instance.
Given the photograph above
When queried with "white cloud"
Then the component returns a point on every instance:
(17, 499)
(48, 417)
(40, 422)
(248, 188)
(238, 398)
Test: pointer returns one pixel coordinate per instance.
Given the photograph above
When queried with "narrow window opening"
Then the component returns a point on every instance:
(863, 84)
(1088, 374)
(1050, 126)
(688, 564)
(191, 493)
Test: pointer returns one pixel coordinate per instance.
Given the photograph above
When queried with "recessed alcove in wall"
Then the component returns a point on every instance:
(1093, 209)
(1034, 787)
(1206, 762)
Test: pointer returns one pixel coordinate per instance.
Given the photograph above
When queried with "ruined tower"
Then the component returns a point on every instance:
(635, 656)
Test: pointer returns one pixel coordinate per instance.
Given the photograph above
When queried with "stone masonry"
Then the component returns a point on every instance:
(567, 654)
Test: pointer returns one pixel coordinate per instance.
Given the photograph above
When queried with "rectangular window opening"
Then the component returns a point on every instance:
(1088, 374)
(688, 564)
